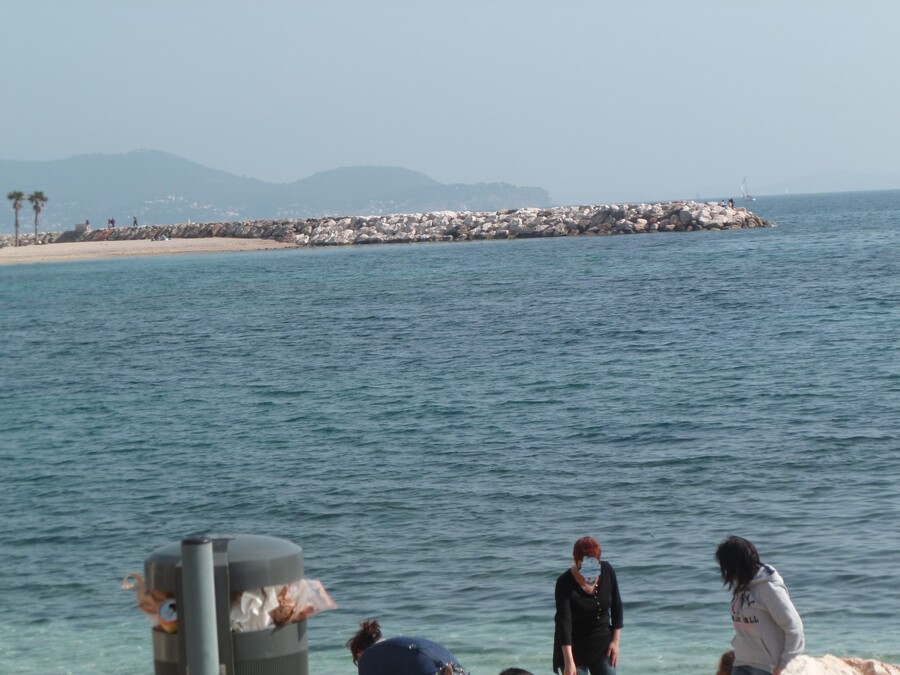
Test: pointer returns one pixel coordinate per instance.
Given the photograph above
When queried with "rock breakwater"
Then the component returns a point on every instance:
(440, 226)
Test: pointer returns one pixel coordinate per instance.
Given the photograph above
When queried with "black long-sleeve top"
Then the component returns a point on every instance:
(584, 620)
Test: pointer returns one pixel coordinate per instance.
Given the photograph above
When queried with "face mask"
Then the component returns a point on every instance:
(590, 569)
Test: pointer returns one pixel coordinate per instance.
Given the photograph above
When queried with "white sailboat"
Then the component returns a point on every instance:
(746, 196)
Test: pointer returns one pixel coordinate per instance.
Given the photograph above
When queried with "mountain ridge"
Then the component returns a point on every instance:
(162, 188)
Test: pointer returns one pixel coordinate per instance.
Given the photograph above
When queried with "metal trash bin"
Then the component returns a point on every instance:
(241, 562)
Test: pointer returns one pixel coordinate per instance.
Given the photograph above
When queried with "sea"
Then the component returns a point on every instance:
(436, 424)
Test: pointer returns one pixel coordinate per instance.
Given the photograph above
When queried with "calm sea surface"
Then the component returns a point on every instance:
(437, 424)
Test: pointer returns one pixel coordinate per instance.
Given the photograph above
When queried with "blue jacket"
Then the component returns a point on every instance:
(406, 656)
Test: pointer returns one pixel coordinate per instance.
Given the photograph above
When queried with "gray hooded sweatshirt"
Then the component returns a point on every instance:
(768, 631)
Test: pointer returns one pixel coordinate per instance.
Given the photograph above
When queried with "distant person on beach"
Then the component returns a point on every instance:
(373, 655)
(134, 221)
(730, 202)
(588, 614)
(768, 632)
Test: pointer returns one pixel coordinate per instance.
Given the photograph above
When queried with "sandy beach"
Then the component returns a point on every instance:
(116, 249)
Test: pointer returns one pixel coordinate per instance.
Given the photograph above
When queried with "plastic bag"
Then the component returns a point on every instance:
(279, 605)
(250, 610)
(147, 601)
(300, 600)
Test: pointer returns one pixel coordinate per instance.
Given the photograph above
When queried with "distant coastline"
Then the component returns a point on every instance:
(158, 187)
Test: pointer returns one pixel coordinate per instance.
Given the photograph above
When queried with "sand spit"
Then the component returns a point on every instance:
(87, 250)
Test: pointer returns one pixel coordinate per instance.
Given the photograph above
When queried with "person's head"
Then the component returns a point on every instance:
(368, 634)
(586, 547)
(726, 663)
(738, 562)
(515, 671)
(586, 554)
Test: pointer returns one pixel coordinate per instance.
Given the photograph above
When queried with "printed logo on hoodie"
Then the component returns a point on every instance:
(743, 611)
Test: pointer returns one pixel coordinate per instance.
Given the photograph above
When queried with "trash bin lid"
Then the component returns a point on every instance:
(253, 561)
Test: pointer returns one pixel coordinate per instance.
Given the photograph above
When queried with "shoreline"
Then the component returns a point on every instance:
(100, 250)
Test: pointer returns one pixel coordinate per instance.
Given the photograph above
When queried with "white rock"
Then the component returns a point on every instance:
(832, 665)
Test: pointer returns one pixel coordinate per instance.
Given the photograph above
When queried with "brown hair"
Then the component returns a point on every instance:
(726, 663)
(368, 634)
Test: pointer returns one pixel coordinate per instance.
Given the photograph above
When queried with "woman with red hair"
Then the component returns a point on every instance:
(588, 614)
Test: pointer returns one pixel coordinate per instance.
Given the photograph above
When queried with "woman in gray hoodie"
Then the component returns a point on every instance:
(768, 632)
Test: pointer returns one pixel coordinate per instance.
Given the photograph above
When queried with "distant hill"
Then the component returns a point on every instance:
(160, 188)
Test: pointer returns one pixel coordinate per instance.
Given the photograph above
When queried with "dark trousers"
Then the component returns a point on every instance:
(599, 667)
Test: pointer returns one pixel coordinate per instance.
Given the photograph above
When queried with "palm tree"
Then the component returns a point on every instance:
(37, 199)
(17, 197)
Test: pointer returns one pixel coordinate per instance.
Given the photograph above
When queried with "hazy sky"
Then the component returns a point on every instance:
(593, 100)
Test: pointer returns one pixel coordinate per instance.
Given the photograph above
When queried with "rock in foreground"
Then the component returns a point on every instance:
(832, 665)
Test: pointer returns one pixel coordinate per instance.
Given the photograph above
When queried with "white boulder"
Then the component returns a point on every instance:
(832, 665)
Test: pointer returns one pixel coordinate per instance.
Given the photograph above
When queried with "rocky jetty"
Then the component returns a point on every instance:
(564, 221)
(832, 665)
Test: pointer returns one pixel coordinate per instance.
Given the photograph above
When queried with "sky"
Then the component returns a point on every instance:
(593, 100)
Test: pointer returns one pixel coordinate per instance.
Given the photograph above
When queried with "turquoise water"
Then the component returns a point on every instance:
(436, 425)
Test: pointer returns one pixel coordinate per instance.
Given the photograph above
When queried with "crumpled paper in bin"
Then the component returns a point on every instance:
(263, 608)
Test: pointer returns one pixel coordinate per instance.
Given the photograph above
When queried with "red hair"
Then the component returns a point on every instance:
(586, 547)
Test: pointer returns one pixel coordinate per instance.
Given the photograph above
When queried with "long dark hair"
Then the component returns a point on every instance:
(738, 562)
(368, 634)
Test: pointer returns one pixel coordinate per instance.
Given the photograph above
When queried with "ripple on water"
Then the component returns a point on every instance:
(436, 425)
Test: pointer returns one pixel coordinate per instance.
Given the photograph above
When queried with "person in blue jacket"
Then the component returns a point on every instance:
(373, 655)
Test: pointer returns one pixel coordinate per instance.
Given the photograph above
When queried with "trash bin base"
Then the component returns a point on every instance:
(292, 664)
(165, 668)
